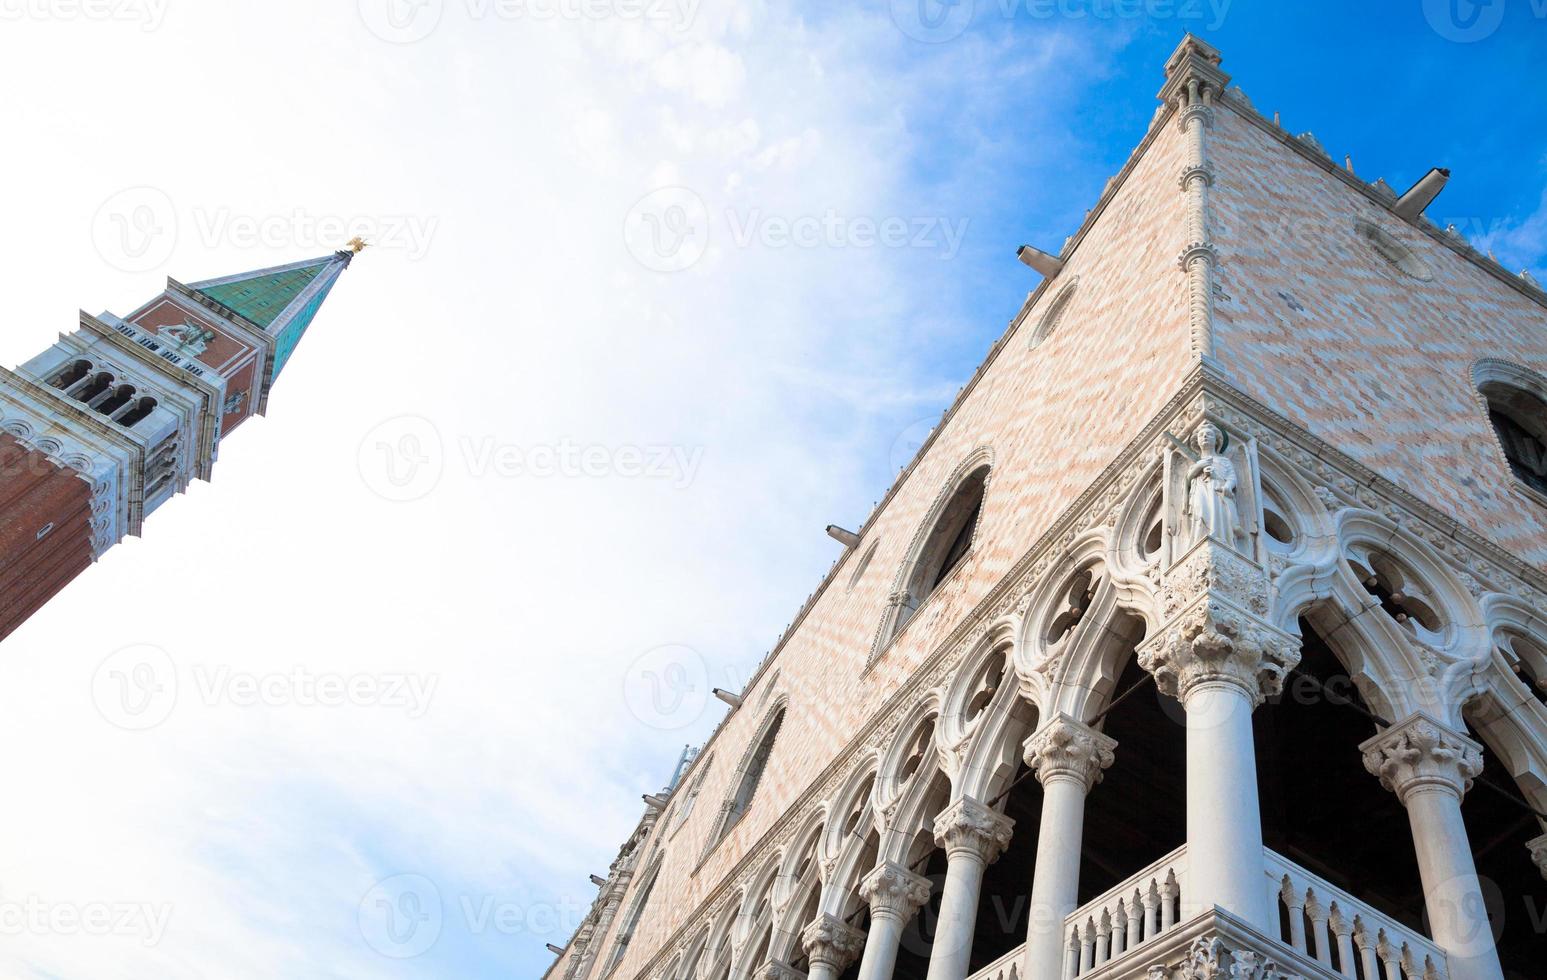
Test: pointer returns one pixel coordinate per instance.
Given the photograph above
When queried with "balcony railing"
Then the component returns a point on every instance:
(1322, 923)
(1126, 917)
(1328, 925)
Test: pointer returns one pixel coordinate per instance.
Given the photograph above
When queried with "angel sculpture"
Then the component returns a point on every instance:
(1211, 483)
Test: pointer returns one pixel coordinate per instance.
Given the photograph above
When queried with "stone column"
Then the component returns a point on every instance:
(831, 944)
(1430, 767)
(1221, 662)
(973, 836)
(1538, 848)
(1068, 757)
(895, 895)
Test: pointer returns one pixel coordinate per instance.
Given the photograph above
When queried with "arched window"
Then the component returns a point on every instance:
(948, 542)
(750, 776)
(118, 399)
(1520, 420)
(690, 798)
(92, 389)
(145, 407)
(631, 919)
(70, 374)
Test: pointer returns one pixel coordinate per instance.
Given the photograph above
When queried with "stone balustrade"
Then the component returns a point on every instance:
(1324, 931)
(1126, 917)
(1343, 934)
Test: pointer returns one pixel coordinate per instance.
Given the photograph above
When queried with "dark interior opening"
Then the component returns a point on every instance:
(1320, 808)
(1137, 814)
(1514, 891)
(1004, 905)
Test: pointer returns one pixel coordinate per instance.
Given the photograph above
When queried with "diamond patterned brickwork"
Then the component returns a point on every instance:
(1321, 328)
(1053, 418)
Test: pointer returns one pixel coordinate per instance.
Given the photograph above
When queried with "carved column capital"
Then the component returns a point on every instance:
(1420, 753)
(1215, 642)
(832, 942)
(1068, 749)
(778, 970)
(892, 891)
(970, 827)
(1538, 849)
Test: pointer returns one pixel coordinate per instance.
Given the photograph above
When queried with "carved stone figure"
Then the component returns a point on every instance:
(1211, 483)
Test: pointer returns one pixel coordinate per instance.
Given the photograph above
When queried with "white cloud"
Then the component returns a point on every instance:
(527, 322)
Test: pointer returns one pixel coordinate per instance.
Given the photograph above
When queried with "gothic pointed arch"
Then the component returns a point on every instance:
(1515, 398)
(941, 544)
(749, 774)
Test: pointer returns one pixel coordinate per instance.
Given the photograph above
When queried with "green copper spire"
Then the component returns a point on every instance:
(282, 300)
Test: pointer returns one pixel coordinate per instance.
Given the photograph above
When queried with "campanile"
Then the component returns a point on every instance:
(118, 416)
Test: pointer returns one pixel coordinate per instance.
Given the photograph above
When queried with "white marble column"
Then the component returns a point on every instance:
(895, 895)
(831, 944)
(1224, 820)
(973, 836)
(1430, 767)
(1221, 665)
(1068, 757)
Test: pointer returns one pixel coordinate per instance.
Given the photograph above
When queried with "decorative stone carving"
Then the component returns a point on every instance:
(1211, 959)
(1420, 753)
(778, 970)
(1068, 749)
(970, 827)
(1212, 641)
(831, 942)
(892, 891)
(1538, 849)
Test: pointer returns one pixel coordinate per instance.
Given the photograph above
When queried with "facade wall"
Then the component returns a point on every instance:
(45, 530)
(1051, 419)
(1374, 361)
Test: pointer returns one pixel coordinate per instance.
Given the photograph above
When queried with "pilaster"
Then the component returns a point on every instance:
(1194, 82)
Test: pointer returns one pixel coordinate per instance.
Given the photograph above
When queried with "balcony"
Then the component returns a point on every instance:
(1324, 933)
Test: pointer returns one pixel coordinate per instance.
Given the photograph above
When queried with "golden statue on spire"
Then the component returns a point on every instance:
(357, 244)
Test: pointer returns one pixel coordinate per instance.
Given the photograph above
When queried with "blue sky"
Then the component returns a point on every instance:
(512, 314)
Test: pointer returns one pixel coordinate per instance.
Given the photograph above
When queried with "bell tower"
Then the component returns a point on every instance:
(117, 417)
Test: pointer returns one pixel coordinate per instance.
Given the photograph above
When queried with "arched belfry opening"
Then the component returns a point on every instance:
(1320, 808)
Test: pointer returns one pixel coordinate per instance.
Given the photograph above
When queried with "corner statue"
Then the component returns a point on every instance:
(1211, 490)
